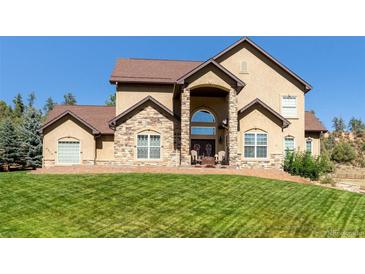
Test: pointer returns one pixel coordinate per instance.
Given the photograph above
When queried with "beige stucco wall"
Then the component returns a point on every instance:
(105, 148)
(316, 142)
(258, 119)
(70, 128)
(268, 82)
(210, 76)
(127, 95)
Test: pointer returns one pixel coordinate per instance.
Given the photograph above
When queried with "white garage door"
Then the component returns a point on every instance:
(69, 152)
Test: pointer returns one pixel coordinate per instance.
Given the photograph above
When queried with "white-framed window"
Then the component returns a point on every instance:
(289, 144)
(289, 106)
(255, 145)
(308, 145)
(243, 67)
(148, 146)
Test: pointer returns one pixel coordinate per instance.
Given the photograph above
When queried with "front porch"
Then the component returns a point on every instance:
(209, 92)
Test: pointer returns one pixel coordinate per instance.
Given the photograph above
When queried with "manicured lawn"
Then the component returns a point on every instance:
(153, 205)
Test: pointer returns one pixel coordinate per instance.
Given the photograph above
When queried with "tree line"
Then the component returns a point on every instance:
(20, 124)
(355, 125)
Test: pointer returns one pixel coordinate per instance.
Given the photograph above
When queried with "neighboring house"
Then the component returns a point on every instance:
(241, 101)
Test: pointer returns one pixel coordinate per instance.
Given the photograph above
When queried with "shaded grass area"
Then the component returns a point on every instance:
(163, 205)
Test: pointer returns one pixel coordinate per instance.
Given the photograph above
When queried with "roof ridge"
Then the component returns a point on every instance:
(64, 105)
(158, 59)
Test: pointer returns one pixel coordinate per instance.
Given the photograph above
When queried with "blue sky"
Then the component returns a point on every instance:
(51, 66)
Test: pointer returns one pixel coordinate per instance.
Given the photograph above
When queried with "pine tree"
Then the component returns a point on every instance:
(31, 141)
(356, 126)
(338, 124)
(49, 105)
(5, 111)
(10, 151)
(18, 106)
(31, 99)
(111, 100)
(69, 99)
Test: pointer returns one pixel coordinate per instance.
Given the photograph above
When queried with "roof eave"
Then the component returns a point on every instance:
(68, 112)
(307, 86)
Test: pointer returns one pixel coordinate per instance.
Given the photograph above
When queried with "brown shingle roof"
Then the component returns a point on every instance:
(312, 123)
(151, 70)
(95, 117)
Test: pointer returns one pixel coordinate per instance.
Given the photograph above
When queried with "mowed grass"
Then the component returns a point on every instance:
(163, 205)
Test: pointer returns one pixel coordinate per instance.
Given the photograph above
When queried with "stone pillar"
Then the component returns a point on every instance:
(232, 128)
(185, 128)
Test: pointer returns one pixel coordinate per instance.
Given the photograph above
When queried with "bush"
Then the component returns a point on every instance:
(328, 180)
(343, 153)
(307, 166)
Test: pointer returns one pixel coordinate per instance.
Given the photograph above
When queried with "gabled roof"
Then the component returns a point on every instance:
(94, 117)
(239, 83)
(148, 99)
(308, 87)
(312, 123)
(285, 122)
(150, 70)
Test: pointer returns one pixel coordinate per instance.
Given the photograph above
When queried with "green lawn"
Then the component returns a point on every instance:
(154, 205)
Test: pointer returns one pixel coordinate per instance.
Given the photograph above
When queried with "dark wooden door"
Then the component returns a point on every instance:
(204, 147)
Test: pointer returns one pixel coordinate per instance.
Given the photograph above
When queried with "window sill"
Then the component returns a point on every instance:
(255, 159)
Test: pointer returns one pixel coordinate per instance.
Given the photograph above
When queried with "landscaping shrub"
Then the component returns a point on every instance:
(343, 153)
(328, 180)
(305, 165)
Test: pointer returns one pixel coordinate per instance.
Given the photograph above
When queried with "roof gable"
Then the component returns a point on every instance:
(285, 122)
(68, 112)
(239, 84)
(94, 117)
(220, 55)
(148, 100)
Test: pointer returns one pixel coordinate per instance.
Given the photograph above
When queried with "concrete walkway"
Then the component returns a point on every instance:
(257, 172)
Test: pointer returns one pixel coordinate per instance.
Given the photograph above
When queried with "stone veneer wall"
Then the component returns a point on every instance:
(232, 129)
(149, 119)
(185, 128)
(275, 161)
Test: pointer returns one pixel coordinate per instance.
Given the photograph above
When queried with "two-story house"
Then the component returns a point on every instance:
(241, 104)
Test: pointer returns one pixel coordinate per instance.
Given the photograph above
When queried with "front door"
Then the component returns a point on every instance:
(204, 147)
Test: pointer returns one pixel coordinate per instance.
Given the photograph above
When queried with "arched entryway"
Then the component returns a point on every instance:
(208, 122)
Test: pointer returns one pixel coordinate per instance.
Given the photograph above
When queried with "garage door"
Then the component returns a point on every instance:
(69, 152)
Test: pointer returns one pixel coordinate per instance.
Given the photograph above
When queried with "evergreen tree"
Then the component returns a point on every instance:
(31, 99)
(69, 99)
(338, 124)
(356, 126)
(111, 100)
(5, 111)
(10, 151)
(49, 105)
(18, 106)
(31, 141)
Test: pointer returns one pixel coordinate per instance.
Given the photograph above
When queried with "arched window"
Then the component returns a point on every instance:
(203, 116)
(289, 144)
(255, 144)
(148, 145)
(203, 123)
